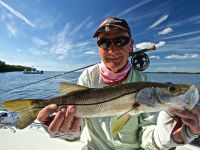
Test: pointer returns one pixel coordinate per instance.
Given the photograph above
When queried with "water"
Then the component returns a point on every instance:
(176, 78)
(44, 89)
(48, 88)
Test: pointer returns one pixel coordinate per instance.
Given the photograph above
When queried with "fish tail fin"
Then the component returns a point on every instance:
(27, 109)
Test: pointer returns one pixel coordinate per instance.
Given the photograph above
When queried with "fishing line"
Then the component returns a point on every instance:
(142, 51)
(15, 88)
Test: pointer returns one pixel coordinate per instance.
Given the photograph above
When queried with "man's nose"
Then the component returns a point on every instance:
(113, 47)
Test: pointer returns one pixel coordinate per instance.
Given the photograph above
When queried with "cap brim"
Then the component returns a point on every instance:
(102, 29)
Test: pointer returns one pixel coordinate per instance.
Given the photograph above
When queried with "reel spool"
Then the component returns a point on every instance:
(140, 60)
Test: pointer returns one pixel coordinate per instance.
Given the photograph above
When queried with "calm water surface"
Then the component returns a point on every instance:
(48, 88)
(44, 89)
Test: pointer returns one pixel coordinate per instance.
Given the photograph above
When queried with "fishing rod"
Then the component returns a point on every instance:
(139, 60)
(45, 79)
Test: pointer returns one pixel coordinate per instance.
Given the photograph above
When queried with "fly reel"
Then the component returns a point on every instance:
(140, 60)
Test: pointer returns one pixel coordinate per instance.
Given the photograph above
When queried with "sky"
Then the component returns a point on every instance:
(54, 35)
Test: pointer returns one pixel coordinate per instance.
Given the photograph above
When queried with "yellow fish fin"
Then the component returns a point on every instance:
(27, 109)
(119, 123)
(69, 87)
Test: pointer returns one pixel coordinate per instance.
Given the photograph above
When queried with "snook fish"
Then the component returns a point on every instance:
(129, 99)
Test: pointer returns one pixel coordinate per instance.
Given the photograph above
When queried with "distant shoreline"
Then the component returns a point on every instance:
(11, 68)
(176, 72)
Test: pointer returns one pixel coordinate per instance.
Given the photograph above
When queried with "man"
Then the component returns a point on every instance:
(114, 42)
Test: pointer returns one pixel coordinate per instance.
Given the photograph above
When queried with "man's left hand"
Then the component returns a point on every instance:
(190, 119)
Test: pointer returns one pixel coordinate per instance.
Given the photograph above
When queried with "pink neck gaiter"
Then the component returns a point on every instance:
(111, 78)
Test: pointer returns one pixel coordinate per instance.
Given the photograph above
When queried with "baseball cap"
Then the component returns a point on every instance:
(112, 22)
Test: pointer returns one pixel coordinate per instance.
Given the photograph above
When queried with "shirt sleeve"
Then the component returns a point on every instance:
(166, 123)
(68, 136)
(156, 132)
(147, 124)
(84, 79)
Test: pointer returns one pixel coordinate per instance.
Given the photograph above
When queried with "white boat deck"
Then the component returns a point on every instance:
(34, 138)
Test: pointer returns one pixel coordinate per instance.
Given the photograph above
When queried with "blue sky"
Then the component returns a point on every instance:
(57, 35)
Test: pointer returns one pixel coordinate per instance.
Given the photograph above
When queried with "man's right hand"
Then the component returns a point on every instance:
(63, 121)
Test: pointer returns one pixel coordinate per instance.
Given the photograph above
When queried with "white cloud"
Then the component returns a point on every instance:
(154, 57)
(17, 14)
(185, 56)
(39, 42)
(12, 30)
(147, 44)
(185, 44)
(166, 31)
(61, 57)
(191, 20)
(45, 21)
(63, 43)
(61, 48)
(90, 52)
(160, 44)
(182, 35)
(58, 66)
(143, 45)
(159, 21)
(2, 17)
(37, 52)
(133, 7)
(90, 25)
(60, 44)
(81, 25)
(82, 44)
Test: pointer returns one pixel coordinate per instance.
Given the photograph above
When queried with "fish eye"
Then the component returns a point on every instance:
(172, 88)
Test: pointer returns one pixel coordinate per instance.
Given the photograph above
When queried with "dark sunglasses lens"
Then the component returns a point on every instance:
(104, 43)
(121, 41)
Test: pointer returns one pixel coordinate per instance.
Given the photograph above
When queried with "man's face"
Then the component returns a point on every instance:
(115, 57)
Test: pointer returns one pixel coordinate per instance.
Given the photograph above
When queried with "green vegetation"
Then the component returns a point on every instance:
(8, 68)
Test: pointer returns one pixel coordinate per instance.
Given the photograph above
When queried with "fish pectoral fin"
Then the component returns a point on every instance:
(119, 123)
(27, 109)
(69, 87)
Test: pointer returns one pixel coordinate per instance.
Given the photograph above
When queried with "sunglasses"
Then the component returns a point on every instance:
(119, 42)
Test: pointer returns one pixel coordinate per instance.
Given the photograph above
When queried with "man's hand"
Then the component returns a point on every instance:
(190, 119)
(63, 121)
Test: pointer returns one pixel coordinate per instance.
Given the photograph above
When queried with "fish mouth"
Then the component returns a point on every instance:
(189, 99)
(193, 96)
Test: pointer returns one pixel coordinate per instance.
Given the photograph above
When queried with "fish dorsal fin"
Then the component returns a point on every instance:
(69, 87)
